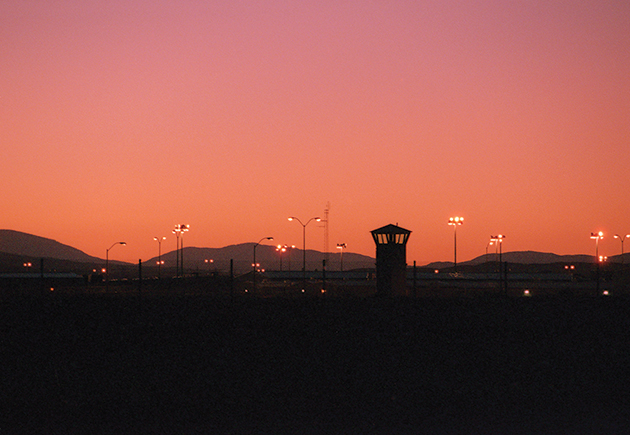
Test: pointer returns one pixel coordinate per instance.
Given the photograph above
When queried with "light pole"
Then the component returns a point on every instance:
(499, 241)
(455, 222)
(281, 249)
(159, 262)
(179, 231)
(341, 247)
(597, 236)
(317, 219)
(621, 239)
(254, 265)
(107, 262)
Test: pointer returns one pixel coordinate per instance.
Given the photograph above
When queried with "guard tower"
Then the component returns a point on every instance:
(391, 260)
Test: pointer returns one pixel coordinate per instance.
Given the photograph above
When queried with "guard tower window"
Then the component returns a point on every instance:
(391, 235)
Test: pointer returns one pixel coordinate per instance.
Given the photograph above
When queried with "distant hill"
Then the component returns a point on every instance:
(266, 256)
(19, 244)
(533, 257)
(28, 245)
(526, 257)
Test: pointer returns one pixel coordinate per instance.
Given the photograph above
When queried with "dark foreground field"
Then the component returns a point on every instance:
(97, 364)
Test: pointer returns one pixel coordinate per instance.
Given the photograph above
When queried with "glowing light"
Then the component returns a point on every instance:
(457, 220)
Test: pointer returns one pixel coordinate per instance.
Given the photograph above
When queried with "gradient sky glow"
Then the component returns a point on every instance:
(120, 118)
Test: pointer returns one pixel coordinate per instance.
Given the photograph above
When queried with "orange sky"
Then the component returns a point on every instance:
(120, 119)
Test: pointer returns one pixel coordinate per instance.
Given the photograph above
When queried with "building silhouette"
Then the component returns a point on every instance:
(391, 260)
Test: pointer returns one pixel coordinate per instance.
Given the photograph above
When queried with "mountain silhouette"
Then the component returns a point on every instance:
(525, 257)
(266, 255)
(28, 245)
(22, 244)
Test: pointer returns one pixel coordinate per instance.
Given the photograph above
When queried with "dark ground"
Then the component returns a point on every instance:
(181, 365)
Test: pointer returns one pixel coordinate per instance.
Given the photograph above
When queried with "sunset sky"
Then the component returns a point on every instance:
(120, 119)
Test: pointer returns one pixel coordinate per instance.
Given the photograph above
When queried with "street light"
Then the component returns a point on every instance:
(317, 219)
(107, 262)
(621, 239)
(179, 231)
(597, 237)
(499, 241)
(159, 262)
(455, 222)
(254, 263)
(341, 247)
(281, 249)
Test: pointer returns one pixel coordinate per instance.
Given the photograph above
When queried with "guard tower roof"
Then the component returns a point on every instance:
(390, 234)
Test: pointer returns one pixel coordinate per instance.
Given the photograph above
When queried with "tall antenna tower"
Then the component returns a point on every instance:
(325, 220)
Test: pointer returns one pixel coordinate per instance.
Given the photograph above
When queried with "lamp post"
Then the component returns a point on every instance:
(597, 236)
(159, 262)
(317, 219)
(281, 249)
(455, 222)
(107, 262)
(254, 264)
(341, 247)
(499, 241)
(621, 239)
(179, 231)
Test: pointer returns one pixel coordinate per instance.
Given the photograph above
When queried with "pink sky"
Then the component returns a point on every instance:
(120, 119)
